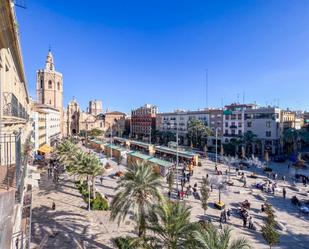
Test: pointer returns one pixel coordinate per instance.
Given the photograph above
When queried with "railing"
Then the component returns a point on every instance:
(12, 107)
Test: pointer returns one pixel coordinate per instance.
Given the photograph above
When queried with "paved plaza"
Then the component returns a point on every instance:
(72, 226)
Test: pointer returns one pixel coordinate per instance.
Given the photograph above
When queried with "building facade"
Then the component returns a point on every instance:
(95, 107)
(170, 122)
(47, 125)
(15, 131)
(143, 122)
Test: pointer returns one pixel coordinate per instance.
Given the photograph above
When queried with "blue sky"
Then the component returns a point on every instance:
(128, 53)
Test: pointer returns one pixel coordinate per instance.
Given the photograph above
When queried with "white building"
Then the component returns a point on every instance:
(46, 125)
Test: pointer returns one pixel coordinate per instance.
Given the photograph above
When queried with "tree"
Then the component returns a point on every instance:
(66, 151)
(248, 139)
(138, 191)
(95, 133)
(171, 226)
(198, 132)
(290, 138)
(211, 238)
(205, 193)
(269, 231)
(86, 166)
(170, 180)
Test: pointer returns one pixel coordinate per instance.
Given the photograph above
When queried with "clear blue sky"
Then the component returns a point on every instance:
(129, 52)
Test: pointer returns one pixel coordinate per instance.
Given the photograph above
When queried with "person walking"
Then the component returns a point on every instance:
(228, 213)
(101, 179)
(245, 182)
(284, 192)
(224, 216)
(244, 222)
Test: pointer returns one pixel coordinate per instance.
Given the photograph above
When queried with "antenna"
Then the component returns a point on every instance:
(206, 88)
(243, 98)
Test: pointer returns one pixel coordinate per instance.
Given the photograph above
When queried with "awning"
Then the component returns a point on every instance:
(45, 149)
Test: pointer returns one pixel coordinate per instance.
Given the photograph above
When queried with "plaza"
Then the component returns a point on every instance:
(94, 229)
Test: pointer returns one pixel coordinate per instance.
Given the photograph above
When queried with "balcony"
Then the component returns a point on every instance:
(233, 127)
(12, 107)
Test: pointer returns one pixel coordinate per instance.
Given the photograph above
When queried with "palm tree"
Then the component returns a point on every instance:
(290, 140)
(248, 139)
(66, 151)
(93, 168)
(138, 190)
(171, 226)
(210, 238)
(86, 166)
(198, 132)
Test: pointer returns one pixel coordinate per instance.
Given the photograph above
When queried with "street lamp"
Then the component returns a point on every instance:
(217, 145)
(89, 195)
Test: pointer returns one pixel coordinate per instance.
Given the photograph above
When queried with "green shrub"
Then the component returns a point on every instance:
(99, 203)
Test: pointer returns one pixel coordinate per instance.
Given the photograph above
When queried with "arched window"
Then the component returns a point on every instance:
(58, 86)
(50, 84)
(42, 83)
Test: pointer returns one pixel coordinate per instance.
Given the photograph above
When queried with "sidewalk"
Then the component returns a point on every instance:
(70, 225)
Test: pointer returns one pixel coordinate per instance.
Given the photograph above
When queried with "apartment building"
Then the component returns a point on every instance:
(143, 121)
(266, 123)
(15, 130)
(46, 125)
(170, 122)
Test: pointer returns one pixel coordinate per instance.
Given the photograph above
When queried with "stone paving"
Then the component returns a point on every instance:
(72, 226)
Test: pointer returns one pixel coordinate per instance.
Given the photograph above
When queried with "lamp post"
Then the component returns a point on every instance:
(217, 146)
(89, 196)
(177, 156)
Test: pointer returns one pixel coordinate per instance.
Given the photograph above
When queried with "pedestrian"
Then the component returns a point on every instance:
(273, 188)
(101, 180)
(195, 185)
(53, 205)
(226, 172)
(228, 213)
(244, 222)
(245, 182)
(250, 223)
(211, 188)
(262, 208)
(283, 178)
(284, 192)
(224, 216)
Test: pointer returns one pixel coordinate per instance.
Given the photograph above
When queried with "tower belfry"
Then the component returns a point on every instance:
(50, 62)
(49, 85)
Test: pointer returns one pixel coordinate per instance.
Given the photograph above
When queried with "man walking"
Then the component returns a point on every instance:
(284, 192)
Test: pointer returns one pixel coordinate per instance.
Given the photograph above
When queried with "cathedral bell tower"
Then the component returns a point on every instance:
(49, 88)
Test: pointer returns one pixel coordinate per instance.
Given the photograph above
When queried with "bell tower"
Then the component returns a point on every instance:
(49, 87)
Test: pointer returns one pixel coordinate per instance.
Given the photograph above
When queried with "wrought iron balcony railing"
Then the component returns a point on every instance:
(12, 107)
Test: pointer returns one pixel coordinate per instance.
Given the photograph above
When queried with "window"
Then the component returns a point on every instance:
(50, 84)
(50, 102)
(58, 86)
(239, 116)
(239, 132)
(268, 133)
(268, 124)
(249, 124)
(226, 124)
(226, 132)
(42, 83)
